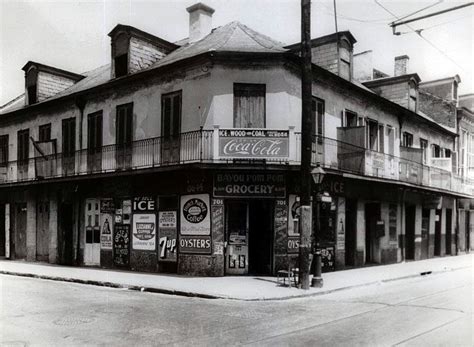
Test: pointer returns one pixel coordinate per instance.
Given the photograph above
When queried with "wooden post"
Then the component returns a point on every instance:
(306, 132)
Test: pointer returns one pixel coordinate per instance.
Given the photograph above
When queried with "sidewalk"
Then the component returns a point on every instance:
(233, 287)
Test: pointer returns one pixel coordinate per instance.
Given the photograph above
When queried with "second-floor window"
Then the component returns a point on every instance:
(249, 105)
(3, 150)
(44, 133)
(94, 131)
(436, 151)
(318, 116)
(171, 115)
(124, 125)
(424, 148)
(407, 140)
(351, 119)
(23, 146)
(69, 136)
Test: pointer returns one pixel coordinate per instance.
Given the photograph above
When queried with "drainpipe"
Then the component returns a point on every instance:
(80, 103)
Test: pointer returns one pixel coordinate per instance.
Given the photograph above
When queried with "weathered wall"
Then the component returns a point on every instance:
(142, 54)
(441, 110)
(49, 85)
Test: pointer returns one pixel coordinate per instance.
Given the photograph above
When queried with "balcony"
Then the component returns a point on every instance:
(241, 146)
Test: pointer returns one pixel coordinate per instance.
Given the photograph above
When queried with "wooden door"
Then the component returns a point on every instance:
(42, 230)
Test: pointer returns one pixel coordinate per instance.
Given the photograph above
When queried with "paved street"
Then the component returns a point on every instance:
(430, 310)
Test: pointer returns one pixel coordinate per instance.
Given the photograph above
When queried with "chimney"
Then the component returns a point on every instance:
(200, 21)
(401, 65)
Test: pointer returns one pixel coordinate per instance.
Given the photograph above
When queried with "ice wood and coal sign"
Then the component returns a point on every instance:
(253, 144)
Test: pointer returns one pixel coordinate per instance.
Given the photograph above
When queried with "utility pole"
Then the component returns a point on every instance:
(306, 143)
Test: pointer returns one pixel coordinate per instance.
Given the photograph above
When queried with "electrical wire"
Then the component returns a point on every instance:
(420, 10)
(418, 32)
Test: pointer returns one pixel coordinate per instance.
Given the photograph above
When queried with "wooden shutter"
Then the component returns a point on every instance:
(3, 150)
(249, 105)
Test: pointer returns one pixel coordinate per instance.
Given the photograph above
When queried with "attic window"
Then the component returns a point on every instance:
(31, 85)
(32, 94)
(121, 65)
(120, 54)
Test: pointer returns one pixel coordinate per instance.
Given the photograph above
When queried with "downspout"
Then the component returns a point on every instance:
(80, 103)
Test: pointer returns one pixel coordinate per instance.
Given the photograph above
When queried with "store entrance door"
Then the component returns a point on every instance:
(249, 236)
(92, 246)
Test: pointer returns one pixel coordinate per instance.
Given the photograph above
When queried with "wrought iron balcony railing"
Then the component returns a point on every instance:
(245, 146)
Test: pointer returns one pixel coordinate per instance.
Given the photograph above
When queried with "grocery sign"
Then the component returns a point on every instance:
(253, 143)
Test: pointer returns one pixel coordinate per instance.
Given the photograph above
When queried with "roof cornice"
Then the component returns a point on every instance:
(53, 70)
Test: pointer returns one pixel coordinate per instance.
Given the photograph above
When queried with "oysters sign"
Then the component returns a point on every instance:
(253, 143)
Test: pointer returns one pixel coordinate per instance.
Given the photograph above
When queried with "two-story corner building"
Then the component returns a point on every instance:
(184, 157)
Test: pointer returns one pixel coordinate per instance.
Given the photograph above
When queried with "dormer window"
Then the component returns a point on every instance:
(43, 81)
(32, 85)
(345, 59)
(412, 96)
(134, 50)
(120, 54)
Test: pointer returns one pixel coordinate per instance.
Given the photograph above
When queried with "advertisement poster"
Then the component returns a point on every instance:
(195, 216)
(107, 205)
(121, 245)
(293, 205)
(168, 236)
(106, 231)
(144, 231)
(126, 211)
(167, 219)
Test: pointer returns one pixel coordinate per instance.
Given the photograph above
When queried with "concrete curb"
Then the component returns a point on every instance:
(210, 296)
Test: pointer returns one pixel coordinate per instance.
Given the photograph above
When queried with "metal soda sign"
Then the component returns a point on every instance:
(253, 143)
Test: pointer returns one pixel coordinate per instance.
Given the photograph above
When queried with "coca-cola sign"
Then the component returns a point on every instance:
(253, 143)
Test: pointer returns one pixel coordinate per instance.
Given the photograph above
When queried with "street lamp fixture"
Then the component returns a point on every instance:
(318, 175)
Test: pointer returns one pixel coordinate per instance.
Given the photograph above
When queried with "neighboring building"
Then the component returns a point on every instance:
(184, 157)
(465, 118)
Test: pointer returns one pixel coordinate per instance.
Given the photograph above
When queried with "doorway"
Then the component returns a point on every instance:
(65, 239)
(425, 233)
(372, 216)
(410, 216)
(350, 239)
(20, 231)
(92, 245)
(449, 230)
(468, 231)
(2, 230)
(437, 239)
(42, 230)
(249, 236)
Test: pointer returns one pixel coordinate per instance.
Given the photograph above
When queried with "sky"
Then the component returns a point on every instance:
(72, 34)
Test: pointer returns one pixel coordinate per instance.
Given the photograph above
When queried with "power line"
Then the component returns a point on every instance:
(421, 9)
(418, 32)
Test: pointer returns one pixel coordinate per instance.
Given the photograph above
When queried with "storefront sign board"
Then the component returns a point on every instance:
(144, 204)
(250, 185)
(195, 244)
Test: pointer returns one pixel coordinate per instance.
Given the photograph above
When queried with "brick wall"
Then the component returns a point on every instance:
(143, 54)
(49, 85)
(442, 111)
(326, 57)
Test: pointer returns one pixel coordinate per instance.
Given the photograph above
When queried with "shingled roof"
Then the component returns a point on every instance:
(232, 37)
